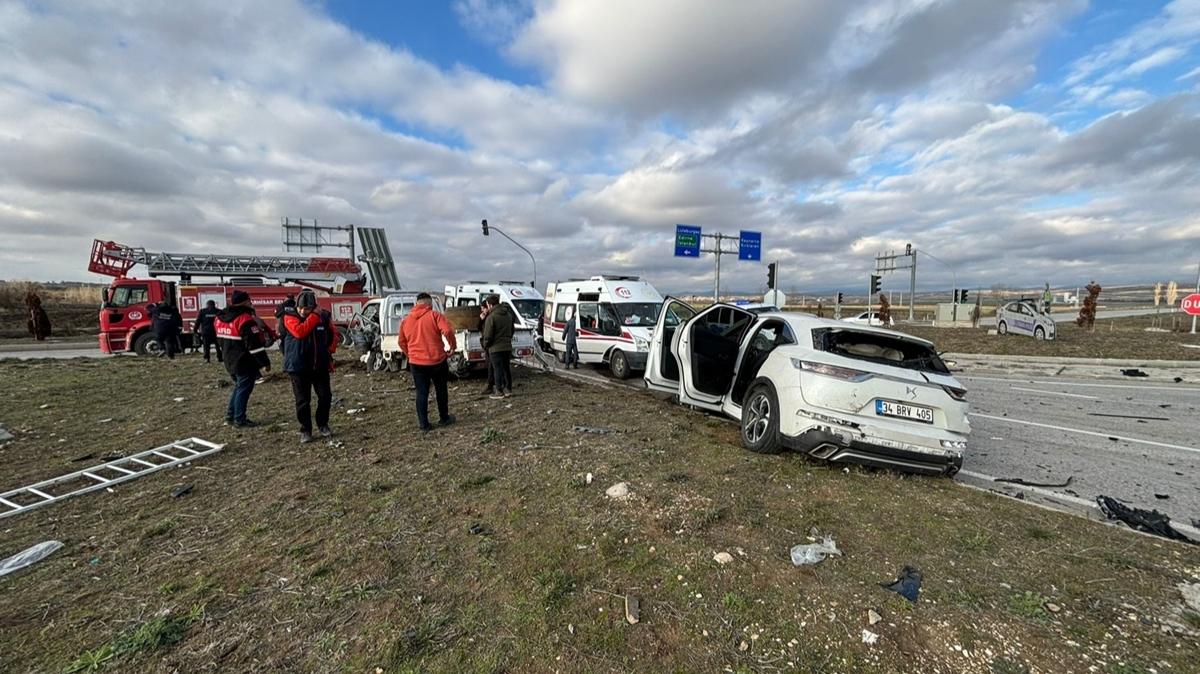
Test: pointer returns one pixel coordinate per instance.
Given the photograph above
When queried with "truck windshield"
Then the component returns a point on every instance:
(877, 348)
(529, 309)
(638, 313)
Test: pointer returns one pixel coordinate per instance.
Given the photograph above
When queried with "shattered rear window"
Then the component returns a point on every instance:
(877, 348)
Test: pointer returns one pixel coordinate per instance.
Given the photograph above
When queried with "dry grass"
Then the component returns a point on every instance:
(71, 308)
(475, 551)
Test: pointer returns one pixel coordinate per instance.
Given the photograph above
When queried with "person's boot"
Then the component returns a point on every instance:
(487, 390)
(325, 431)
(450, 418)
(305, 437)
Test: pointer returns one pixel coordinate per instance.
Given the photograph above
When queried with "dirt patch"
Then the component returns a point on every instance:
(482, 547)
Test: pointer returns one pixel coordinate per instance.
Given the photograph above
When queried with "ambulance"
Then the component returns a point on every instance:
(525, 301)
(615, 317)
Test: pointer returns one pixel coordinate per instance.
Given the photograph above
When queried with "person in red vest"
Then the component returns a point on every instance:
(244, 352)
(427, 340)
(309, 342)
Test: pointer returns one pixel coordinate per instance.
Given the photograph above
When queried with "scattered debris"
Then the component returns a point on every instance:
(1148, 521)
(44, 406)
(28, 557)
(105, 421)
(179, 400)
(908, 585)
(869, 637)
(1128, 416)
(1028, 483)
(1179, 380)
(632, 610)
(722, 558)
(594, 431)
(1053, 608)
(587, 479)
(182, 490)
(619, 490)
(873, 617)
(1162, 497)
(480, 529)
(1134, 372)
(356, 410)
(4, 434)
(814, 552)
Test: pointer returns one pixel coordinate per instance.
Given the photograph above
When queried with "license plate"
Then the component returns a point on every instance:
(887, 408)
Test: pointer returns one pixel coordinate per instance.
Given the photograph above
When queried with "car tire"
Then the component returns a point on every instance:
(146, 345)
(760, 420)
(1002, 328)
(619, 364)
(344, 341)
(1039, 334)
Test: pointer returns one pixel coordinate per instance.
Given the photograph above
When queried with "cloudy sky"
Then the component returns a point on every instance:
(1017, 140)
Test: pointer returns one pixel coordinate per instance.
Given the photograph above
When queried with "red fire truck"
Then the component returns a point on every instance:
(125, 322)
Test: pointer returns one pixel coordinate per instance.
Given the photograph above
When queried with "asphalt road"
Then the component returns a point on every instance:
(1118, 438)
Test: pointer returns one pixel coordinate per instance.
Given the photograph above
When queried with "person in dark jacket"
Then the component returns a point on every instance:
(309, 344)
(38, 322)
(570, 335)
(490, 388)
(244, 353)
(167, 326)
(497, 340)
(205, 326)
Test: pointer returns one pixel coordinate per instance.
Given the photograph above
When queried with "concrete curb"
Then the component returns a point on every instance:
(49, 346)
(1051, 360)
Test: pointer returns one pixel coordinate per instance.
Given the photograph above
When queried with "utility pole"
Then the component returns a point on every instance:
(718, 249)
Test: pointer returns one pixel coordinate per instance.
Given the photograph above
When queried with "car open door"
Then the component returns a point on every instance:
(707, 347)
(662, 366)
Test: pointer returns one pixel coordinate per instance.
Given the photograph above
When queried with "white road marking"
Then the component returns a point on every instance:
(1083, 432)
(1182, 389)
(1053, 393)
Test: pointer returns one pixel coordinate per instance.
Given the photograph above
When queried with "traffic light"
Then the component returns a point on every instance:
(964, 296)
(485, 228)
(839, 298)
(876, 284)
(771, 276)
(955, 300)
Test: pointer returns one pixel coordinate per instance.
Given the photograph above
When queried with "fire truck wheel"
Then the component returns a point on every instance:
(146, 345)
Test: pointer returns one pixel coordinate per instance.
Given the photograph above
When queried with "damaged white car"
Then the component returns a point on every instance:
(831, 390)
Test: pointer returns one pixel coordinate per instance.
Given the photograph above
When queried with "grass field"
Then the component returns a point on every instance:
(483, 547)
(73, 310)
(1124, 338)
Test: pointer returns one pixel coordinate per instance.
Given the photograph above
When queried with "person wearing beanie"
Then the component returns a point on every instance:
(309, 342)
(244, 353)
(427, 339)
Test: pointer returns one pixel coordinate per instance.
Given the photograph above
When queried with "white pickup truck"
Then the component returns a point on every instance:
(375, 333)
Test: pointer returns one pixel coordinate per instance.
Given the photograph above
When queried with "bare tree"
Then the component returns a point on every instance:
(885, 310)
(1087, 313)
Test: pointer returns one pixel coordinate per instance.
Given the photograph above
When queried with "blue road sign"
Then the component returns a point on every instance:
(687, 241)
(750, 245)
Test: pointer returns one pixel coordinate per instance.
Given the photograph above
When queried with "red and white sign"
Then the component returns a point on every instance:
(1191, 304)
(623, 292)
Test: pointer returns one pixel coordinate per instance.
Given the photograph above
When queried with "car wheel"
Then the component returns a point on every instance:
(344, 341)
(619, 364)
(760, 420)
(1039, 334)
(146, 345)
(1002, 328)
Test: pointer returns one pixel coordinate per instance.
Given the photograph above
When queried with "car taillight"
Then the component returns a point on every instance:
(834, 371)
(475, 355)
(524, 352)
(956, 393)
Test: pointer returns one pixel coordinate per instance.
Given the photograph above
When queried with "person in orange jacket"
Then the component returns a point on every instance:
(308, 360)
(427, 340)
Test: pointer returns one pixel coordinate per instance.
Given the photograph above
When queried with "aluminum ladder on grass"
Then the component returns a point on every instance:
(105, 475)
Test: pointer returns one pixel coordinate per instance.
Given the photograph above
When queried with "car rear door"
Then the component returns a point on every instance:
(662, 365)
(708, 347)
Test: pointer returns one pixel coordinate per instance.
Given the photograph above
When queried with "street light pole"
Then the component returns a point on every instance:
(487, 228)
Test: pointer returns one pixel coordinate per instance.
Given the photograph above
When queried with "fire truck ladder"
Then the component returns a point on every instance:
(105, 475)
(114, 259)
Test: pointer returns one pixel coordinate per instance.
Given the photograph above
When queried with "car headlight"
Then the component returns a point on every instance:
(641, 344)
